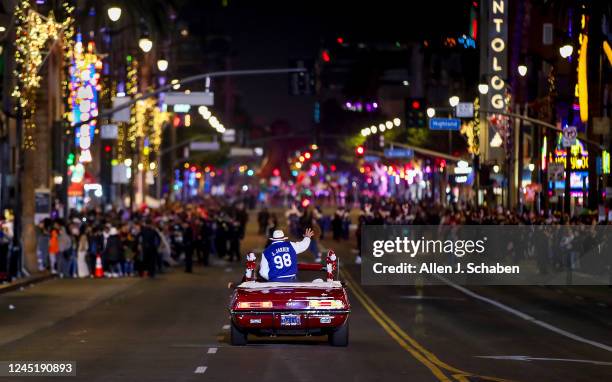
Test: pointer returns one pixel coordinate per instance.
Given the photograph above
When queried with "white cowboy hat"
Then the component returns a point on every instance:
(278, 235)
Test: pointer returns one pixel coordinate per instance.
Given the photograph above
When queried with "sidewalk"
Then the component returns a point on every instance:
(25, 281)
(23, 312)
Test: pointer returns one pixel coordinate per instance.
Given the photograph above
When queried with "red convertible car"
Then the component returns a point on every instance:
(318, 307)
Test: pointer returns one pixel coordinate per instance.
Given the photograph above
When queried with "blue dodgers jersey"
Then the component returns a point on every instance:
(282, 261)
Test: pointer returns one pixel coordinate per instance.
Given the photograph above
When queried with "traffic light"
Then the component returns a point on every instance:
(359, 151)
(70, 159)
(301, 83)
(325, 56)
(415, 112)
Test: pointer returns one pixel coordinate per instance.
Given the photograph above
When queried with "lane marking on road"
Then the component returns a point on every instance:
(421, 297)
(418, 356)
(527, 358)
(212, 351)
(526, 317)
(408, 343)
(225, 327)
(186, 345)
(200, 370)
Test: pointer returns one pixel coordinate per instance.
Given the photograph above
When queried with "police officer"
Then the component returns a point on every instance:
(279, 260)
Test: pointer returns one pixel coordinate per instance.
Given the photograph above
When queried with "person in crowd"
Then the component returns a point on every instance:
(188, 245)
(338, 223)
(262, 219)
(66, 248)
(128, 242)
(54, 248)
(221, 234)
(165, 246)
(293, 218)
(82, 251)
(204, 240)
(113, 253)
(42, 244)
(148, 242)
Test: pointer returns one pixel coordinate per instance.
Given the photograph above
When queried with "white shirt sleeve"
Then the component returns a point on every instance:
(301, 246)
(263, 267)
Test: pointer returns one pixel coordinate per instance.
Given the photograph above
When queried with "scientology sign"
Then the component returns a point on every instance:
(498, 53)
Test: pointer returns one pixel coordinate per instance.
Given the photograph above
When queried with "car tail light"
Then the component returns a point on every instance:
(254, 304)
(326, 304)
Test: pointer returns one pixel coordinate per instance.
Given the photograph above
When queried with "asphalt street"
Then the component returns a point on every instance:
(175, 328)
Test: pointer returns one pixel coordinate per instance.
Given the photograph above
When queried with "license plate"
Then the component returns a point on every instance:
(290, 320)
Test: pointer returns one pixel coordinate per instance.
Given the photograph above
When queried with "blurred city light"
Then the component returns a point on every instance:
(483, 89)
(162, 65)
(566, 50)
(145, 44)
(114, 13)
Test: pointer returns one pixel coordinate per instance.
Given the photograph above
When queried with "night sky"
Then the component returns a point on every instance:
(268, 34)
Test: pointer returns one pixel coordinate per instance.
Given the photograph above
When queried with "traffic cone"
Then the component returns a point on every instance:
(99, 270)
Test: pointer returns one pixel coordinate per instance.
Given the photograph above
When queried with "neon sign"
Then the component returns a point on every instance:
(579, 156)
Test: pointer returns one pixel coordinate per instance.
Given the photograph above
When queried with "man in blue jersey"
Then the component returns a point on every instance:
(279, 259)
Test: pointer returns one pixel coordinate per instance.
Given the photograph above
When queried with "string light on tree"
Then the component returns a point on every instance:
(132, 90)
(33, 33)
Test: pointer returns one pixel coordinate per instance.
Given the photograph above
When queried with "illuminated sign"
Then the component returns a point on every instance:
(462, 168)
(498, 53)
(579, 156)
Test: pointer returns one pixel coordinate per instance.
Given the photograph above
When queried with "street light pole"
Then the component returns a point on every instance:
(185, 81)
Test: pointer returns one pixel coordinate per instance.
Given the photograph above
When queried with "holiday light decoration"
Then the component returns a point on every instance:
(471, 130)
(132, 90)
(121, 134)
(68, 43)
(159, 119)
(144, 128)
(84, 88)
(33, 32)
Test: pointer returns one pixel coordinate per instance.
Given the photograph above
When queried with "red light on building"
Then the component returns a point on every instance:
(340, 40)
(176, 121)
(305, 203)
(193, 169)
(332, 167)
(276, 172)
(325, 56)
(107, 148)
(416, 105)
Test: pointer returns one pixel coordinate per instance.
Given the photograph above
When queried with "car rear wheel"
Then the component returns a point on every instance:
(340, 336)
(237, 337)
